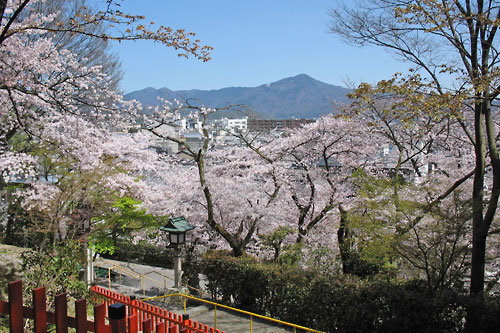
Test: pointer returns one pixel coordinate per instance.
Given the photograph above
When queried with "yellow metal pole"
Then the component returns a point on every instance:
(109, 277)
(215, 314)
(251, 324)
(143, 286)
(184, 298)
(120, 277)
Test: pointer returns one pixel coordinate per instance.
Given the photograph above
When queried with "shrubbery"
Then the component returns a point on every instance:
(143, 252)
(343, 303)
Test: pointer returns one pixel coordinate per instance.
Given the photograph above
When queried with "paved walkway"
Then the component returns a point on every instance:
(156, 281)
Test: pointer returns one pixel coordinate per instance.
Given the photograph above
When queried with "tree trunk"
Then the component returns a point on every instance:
(344, 241)
(477, 268)
(3, 3)
(478, 243)
(238, 251)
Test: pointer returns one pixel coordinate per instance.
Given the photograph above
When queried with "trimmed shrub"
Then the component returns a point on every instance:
(144, 253)
(339, 303)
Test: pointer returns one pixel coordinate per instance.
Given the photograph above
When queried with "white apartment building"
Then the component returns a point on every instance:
(189, 123)
(233, 125)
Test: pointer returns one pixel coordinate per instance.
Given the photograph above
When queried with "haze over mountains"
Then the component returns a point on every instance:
(300, 96)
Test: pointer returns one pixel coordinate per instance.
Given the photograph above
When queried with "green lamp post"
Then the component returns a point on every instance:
(177, 228)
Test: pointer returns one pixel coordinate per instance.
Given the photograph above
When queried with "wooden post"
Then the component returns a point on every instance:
(99, 318)
(81, 315)
(146, 326)
(132, 308)
(16, 306)
(61, 313)
(185, 323)
(160, 327)
(117, 317)
(132, 324)
(40, 310)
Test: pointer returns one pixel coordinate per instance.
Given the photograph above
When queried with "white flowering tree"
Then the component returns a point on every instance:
(59, 112)
(294, 179)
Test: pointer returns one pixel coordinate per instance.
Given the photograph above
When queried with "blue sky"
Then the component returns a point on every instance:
(255, 42)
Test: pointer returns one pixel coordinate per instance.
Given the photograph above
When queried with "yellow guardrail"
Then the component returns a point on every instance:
(143, 277)
(251, 314)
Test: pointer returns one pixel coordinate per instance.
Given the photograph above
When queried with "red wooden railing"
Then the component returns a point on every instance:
(119, 309)
(17, 312)
(151, 315)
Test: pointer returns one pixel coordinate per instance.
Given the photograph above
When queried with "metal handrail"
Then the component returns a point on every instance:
(143, 276)
(251, 314)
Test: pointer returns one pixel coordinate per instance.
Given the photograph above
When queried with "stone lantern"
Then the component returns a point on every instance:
(177, 227)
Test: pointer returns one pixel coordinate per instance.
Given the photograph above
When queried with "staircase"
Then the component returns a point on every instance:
(146, 282)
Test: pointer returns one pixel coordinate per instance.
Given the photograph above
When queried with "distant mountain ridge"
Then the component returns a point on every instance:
(300, 96)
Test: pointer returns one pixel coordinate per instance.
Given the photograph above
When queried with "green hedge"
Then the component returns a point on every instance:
(143, 253)
(343, 304)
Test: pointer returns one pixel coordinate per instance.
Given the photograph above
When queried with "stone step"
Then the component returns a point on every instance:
(227, 320)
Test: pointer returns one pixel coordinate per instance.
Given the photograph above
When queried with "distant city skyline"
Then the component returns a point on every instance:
(255, 43)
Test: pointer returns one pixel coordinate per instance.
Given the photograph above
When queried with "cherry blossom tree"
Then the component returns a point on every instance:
(41, 84)
(63, 107)
(453, 44)
(80, 191)
(313, 167)
(294, 179)
(421, 225)
(319, 159)
(226, 193)
(89, 51)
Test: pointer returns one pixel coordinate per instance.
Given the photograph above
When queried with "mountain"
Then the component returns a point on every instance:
(300, 96)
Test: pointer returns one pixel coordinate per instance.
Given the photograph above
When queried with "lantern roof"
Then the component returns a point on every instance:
(177, 225)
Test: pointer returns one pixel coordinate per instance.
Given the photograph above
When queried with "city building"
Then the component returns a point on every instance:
(266, 125)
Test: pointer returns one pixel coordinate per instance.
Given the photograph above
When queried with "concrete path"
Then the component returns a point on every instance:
(145, 281)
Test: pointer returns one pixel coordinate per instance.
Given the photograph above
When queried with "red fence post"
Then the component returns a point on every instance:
(99, 318)
(185, 322)
(143, 311)
(160, 327)
(40, 310)
(81, 315)
(61, 313)
(146, 326)
(16, 306)
(133, 302)
(132, 324)
(117, 317)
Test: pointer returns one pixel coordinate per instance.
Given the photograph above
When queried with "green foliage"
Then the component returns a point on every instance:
(142, 252)
(58, 270)
(10, 266)
(275, 239)
(368, 232)
(341, 303)
(322, 259)
(393, 232)
(23, 228)
(291, 254)
(191, 267)
(234, 280)
(120, 221)
(286, 254)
